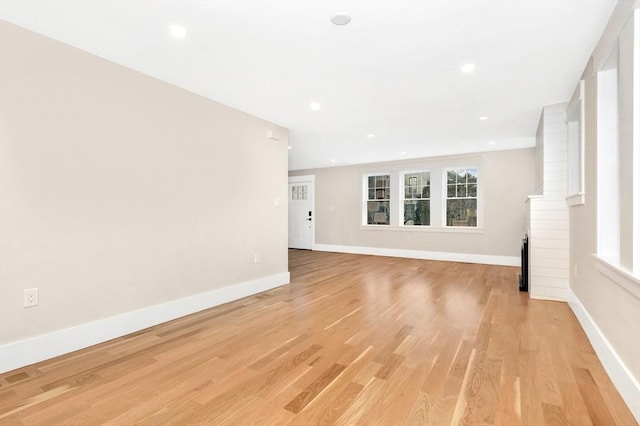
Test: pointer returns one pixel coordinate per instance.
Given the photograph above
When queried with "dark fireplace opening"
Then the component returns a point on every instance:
(524, 264)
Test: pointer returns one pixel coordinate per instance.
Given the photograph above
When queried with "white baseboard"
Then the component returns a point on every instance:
(623, 380)
(420, 254)
(548, 293)
(39, 348)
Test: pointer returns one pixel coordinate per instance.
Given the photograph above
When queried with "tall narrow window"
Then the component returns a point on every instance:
(378, 196)
(608, 158)
(416, 202)
(575, 146)
(462, 197)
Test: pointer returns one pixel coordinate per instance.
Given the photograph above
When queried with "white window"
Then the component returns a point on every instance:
(377, 199)
(429, 199)
(299, 192)
(462, 197)
(575, 146)
(416, 199)
(618, 165)
(618, 162)
(608, 158)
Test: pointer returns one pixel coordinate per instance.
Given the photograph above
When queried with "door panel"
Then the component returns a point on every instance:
(301, 215)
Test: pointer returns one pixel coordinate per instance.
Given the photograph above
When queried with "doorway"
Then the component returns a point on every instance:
(301, 212)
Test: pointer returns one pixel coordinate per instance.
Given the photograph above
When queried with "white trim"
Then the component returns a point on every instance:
(575, 199)
(401, 193)
(618, 275)
(420, 254)
(365, 199)
(39, 348)
(636, 141)
(577, 101)
(305, 178)
(479, 196)
(623, 380)
(540, 292)
(420, 228)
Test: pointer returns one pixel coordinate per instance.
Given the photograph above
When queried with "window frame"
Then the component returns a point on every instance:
(576, 146)
(365, 199)
(607, 160)
(437, 197)
(402, 197)
(445, 196)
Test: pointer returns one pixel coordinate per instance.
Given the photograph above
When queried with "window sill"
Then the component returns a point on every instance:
(618, 275)
(575, 199)
(451, 229)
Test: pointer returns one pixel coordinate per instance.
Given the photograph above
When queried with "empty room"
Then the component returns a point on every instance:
(320, 212)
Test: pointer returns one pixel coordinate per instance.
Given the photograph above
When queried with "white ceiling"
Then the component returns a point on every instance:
(394, 71)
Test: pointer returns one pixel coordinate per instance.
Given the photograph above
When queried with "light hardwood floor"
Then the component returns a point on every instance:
(352, 340)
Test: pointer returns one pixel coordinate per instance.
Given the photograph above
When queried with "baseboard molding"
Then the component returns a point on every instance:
(420, 254)
(548, 293)
(39, 348)
(623, 380)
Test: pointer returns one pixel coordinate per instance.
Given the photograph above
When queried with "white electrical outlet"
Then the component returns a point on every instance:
(256, 258)
(30, 297)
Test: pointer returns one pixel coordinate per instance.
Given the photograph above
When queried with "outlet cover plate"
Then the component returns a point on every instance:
(30, 297)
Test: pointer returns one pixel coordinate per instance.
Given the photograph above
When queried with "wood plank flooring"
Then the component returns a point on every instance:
(352, 340)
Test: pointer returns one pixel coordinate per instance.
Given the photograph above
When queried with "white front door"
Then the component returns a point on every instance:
(301, 215)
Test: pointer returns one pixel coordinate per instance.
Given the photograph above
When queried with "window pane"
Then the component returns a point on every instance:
(416, 185)
(462, 192)
(378, 187)
(462, 212)
(377, 212)
(426, 192)
(410, 179)
(417, 213)
(378, 195)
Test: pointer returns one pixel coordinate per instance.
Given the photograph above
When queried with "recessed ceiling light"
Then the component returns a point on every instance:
(468, 68)
(289, 147)
(403, 153)
(484, 117)
(492, 142)
(333, 160)
(371, 135)
(314, 106)
(340, 19)
(178, 31)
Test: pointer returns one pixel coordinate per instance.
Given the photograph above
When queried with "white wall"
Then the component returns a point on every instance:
(548, 225)
(507, 177)
(120, 192)
(611, 312)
